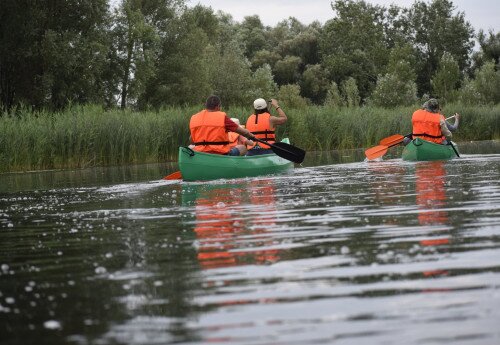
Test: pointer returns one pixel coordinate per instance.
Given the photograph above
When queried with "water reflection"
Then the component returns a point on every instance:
(221, 228)
(431, 192)
(358, 253)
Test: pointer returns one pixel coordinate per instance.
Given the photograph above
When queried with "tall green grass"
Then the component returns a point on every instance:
(90, 136)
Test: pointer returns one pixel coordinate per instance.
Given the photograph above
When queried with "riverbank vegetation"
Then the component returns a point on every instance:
(84, 136)
(111, 82)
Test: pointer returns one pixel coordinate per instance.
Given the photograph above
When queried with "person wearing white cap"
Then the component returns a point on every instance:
(262, 125)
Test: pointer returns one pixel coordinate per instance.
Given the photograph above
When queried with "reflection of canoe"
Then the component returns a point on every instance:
(422, 150)
(196, 166)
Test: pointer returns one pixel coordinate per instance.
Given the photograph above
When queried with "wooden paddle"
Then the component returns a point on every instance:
(384, 144)
(286, 151)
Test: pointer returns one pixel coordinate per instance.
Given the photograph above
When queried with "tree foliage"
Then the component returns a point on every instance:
(155, 53)
(445, 80)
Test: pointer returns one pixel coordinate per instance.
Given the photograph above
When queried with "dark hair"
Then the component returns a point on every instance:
(260, 111)
(212, 102)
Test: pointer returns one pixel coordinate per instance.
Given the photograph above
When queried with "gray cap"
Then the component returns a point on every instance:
(431, 105)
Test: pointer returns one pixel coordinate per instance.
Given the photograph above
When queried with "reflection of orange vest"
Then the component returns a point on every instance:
(260, 126)
(431, 192)
(208, 132)
(426, 126)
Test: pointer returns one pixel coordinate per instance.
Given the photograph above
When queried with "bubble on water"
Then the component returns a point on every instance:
(158, 283)
(5, 268)
(71, 282)
(52, 324)
(28, 288)
(10, 225)
(100, 270)
(109, 255)
(220, 204)
(59, 253)
(345, 250)
(10, 300)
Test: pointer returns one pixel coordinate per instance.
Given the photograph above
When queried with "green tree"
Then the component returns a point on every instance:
(490, 48)
(287, 70)
(350, 92)
(184, 65)
(231, 75)
(314, 84)
(263, 57)
(52, 53)
(253, 35)
(333, 98)
(289, 96)
(487, 83)
(468, 94)
(263, 85)
(353, 44)
(446, 78)
(397, 86)
(139, 28)
(392, 91)
(435, 29)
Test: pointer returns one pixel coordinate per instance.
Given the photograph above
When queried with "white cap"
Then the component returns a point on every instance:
(260, 103)
(235, 120)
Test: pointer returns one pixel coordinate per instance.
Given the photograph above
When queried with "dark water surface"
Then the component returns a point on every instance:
(339, 251)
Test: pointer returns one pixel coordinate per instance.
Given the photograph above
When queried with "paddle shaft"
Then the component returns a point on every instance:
(288, 152)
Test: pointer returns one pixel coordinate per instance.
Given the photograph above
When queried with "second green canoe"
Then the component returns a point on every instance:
(422, 150)
(199, 166)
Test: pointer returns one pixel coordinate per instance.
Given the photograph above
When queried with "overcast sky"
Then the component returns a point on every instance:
(482, 14)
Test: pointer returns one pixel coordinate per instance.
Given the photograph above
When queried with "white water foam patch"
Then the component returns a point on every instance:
(135, 188)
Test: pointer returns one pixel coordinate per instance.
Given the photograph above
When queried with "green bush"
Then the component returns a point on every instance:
(90, 136)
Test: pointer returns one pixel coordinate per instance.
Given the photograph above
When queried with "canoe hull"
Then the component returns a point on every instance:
(422, 150)
(199, 166)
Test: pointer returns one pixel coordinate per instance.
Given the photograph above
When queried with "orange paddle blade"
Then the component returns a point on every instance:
(376, 152)
(392, 140)
(174, 176)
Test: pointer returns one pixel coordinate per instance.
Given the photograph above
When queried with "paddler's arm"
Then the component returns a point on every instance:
(281, 118)
(245, 132)
(454, 126)
(444, 130)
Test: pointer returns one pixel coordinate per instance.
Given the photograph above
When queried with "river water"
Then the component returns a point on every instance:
(338, 251)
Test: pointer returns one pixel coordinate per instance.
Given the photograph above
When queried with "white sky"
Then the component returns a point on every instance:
(482, 14)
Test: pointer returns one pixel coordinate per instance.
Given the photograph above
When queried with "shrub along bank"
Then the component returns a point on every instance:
(90, 136)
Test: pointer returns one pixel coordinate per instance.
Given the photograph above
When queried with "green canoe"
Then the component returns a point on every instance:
(198, 166)
(422, 150)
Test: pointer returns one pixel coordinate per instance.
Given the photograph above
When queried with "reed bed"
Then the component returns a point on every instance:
(90, 136)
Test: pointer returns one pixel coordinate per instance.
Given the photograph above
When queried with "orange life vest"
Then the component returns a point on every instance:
(233, 138)
(260, 126)
(208, 132)
(426, 126)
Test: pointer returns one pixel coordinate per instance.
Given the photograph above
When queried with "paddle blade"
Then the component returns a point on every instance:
(289, 152)
(392, 140)
(174, 176)
(376, 152)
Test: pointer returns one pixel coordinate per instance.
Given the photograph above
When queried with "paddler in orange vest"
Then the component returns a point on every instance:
(238, 139)
(429, 124)
(209, 130)
(262, 124)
